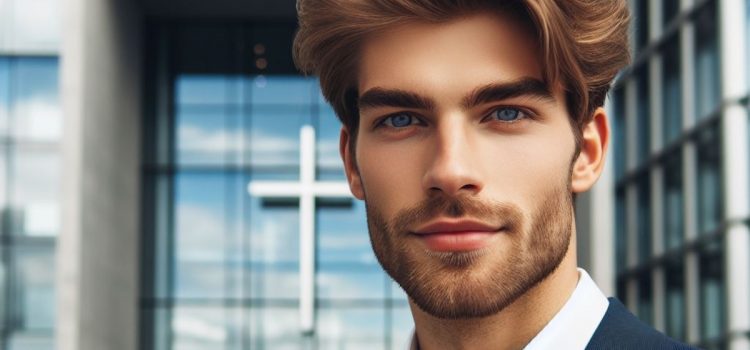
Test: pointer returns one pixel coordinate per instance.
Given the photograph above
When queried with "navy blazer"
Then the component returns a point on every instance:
(621, 330)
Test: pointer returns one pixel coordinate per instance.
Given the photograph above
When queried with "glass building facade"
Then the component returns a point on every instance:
(222, 268)
(30, 152)
(671, 265)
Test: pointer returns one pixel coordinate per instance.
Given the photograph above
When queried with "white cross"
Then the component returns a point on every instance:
(307, 189)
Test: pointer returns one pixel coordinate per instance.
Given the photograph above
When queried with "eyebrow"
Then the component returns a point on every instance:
(530, 87)
(380, 97)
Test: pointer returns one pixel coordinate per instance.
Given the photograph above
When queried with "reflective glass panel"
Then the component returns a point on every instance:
(707, 82)
(641, 23)
(208, 135)
(273, 247)
(207, 89)
(34, 286)
(276, 328)
(670, 10)
(204, 327)
(673, 202)
(708, 181)
(35, 106)
(672, 98)
(35, 193)
(31, 341)
(621, 230)
(712, 291)
(619, 133)
(275, 138)
(347, 266)
(644, 218)
(402, 327)
(675, 299)
(4, 94)
(351, 328)
(645, 298)
(330, 166)
(206, 234)
(34, 26)
(283, 90)
(643, 115)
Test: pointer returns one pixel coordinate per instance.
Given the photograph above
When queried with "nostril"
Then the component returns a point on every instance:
(470, 187)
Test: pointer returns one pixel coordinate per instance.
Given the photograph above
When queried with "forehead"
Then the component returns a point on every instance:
(456, 55)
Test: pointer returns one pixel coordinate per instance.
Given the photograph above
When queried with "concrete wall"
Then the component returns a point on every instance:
(97, 260)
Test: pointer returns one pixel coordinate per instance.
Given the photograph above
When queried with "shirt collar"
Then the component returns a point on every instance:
(574, 325)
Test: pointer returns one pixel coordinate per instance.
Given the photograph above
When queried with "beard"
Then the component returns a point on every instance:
(477, 283)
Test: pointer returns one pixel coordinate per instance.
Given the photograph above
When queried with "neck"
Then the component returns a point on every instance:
(513, 327)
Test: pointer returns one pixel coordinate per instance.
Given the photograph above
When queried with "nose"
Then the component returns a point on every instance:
(453, 167)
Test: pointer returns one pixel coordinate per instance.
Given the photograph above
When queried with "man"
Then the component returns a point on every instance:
(469, 126)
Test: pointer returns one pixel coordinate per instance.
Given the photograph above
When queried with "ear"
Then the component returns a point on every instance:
(590, 162)
(350, 165)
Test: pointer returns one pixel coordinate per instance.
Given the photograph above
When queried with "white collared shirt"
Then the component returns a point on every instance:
(574, 325)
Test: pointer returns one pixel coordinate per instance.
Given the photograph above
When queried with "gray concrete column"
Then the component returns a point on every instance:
(734, 147)
(97, 262)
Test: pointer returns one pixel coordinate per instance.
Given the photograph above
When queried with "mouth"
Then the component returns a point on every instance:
(456, 235)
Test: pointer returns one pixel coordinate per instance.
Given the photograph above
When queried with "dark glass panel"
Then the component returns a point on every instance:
(621, 231)
(620, 132)
(644, 219)
(672, 103)
(709, 192)
(645, 298)
(643, 121)
(641, 23)
(674, 308)
(673, 202)
(707, 81)
(670, 10)
(712, 291)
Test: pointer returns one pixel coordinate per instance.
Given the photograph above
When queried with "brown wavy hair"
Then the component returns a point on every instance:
(582, 43)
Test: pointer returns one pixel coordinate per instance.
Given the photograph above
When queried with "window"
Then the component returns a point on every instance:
(645, 298)
(620, 133)
(223, 266)
(641, 23)
(670, 10)
(674, 306)
(643, 109)
(672, 97)
(673, 202)
(30, 131)
(707, 83)
(644, 218)
(621, 231)
(711, 277)
(709, 197)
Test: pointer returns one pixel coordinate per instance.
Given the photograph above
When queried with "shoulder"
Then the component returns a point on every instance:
(620, 329)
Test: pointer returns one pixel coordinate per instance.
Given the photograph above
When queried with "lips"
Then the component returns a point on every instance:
(457, 235)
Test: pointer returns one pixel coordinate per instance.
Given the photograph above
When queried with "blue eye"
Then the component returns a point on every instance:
(507, 114)
(399, 120)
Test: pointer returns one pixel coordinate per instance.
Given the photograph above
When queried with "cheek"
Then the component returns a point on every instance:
(527, 167)
(390, 176)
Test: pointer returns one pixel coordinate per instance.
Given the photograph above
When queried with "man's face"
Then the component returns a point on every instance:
(463, 158)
